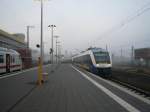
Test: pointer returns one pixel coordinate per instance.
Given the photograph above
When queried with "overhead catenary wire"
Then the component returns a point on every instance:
(128, 19)
(122, 24)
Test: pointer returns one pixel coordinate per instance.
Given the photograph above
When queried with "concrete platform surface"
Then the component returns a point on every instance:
(68, 90)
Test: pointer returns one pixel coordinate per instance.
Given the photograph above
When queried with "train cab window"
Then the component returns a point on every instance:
(1, 58)
(102, 57)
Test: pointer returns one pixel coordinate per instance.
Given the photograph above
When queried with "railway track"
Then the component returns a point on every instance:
(134, 89)
(137, 83)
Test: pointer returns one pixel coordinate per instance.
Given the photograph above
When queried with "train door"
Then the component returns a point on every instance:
(7, 62)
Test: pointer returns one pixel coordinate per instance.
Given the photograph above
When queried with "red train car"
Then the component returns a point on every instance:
(26, 58)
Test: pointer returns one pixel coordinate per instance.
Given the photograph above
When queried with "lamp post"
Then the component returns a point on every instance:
(57, 54)
(56, 45)
(43, 50)
(41, 43)
(28, 30)
(59, 51)
(52, 27)
(42, 32)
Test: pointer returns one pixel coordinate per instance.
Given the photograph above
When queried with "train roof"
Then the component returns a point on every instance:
(97, 49)
(8, 50)
(90, 50)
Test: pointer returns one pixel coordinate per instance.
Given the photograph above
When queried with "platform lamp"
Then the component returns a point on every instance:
(56, 36)
(57, 47)
(52, 29)
(41, 44)
(59, 52)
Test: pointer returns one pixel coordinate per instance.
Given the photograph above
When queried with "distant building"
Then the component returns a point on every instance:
(26, 57)
(12, 41)
(19, 37)
(142, 56)
(17, 42)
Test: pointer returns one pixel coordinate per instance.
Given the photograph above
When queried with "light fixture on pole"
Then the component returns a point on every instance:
(52, 27)
(56, 45)
(57, 52)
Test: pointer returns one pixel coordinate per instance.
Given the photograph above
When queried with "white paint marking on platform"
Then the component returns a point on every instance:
(126, 90)
(10, 75)
(123, 103)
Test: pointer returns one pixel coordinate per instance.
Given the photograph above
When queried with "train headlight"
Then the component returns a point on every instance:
(97, 65)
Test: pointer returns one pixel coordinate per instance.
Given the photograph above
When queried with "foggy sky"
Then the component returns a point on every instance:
(80, 23)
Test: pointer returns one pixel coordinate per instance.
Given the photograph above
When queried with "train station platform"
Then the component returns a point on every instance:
(69, 89)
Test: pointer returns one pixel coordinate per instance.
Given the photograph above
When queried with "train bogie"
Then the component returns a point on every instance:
(105, 72)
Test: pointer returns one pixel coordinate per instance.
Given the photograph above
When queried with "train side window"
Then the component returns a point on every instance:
(17, 59)
(1, 58)
(20, 59)
(13, 59)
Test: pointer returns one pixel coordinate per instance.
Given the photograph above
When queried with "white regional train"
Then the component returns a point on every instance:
(95, 60)
(10, 60)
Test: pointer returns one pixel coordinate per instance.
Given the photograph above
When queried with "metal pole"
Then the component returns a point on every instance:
(56, 49)
(28, 37)
(106, 48)
(52, 45)
(59, 52)
(52, 26)
(132, 54)
(41, 32)
(121, 55)
(50, 55)
(28, 31)
(43, 51)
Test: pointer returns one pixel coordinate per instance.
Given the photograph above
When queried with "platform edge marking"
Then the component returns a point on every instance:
(119, 100)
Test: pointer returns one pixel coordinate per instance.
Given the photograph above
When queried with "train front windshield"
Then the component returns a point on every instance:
(101, 57)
